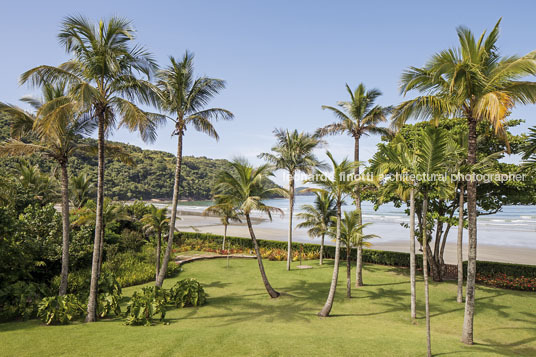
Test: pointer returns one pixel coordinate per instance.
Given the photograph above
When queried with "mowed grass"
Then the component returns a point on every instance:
(241, 319)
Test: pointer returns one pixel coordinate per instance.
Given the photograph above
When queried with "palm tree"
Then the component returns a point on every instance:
(399, 158)
(318, 218)
(474, 82)
(155, 222)
(352, 236)
(57, 134)
(184, 97)
(341, 184)
(293, 153)
(244, 187)
(102, 78)
(82, 189)
(227, 214)
(357, 117)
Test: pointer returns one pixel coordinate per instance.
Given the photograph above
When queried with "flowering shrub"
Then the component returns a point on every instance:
(276, 254)
(501, 280)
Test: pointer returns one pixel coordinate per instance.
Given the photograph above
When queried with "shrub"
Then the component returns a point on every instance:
(20, 300)
(187, 292)
(145, 305)
(59, 310)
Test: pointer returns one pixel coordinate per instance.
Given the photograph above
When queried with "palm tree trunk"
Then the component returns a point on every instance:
(467, 334)
(93, 289)
(291, 212)
(348, 272)
(359, 263)
(65, 226)
(459, 248)
(359, 267)
(331, 295)
(412, 253)
(224, 236)
(269, 289)
(101, 249)
(322, 249)
(167, 255)
(158, 252)
(425, 276)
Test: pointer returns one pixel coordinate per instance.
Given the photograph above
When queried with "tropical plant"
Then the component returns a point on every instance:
(102, 79)
(471, 81)
(227, 214)
(245, 187)
(341, 184)
(60, 310)
(81, 190)
(317, 218)
(145, 305)
(184, 97)
(57, 128)
(351, 235)
(156, 222)
(358, 117)
(112, 212)
(294, 154)
(187, 292)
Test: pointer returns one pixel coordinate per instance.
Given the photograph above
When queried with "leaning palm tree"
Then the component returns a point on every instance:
(57, 134)
(341, 184)
(318, 218)
(184, 98)
(155, 222)
(474, 82)
(294, 154)
(352, 236)
(227, 214)
(102, 76)
(358, 117)
(244, 187)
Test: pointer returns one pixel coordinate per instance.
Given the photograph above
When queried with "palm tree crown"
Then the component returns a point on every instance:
(359, 116)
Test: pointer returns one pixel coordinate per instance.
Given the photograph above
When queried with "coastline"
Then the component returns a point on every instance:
(192, 221)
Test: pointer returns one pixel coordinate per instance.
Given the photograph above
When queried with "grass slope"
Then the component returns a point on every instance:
(240, 319)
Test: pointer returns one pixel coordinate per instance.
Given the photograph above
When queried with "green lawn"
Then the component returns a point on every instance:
(240, 319)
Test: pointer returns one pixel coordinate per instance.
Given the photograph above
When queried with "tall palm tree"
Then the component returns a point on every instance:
(244, 187)
(341, 184)
(474, 82)
(57, 134)
(184, 98)
(155, 222)
(318, 218)
(82, 190)
(227, 214)
(352, 236)
(293, 153)
(357, 117)
(399, 158)
(103, 77)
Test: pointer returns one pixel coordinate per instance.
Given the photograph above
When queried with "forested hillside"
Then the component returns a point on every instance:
(148, 175)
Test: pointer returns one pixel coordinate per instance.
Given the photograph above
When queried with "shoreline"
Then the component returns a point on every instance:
(191, 221)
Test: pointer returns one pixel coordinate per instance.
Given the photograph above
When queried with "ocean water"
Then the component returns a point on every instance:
(513, 226)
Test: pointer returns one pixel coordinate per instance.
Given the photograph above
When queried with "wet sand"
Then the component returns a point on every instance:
(192, 222)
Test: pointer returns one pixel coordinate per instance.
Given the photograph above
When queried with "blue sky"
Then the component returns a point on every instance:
(282, 60)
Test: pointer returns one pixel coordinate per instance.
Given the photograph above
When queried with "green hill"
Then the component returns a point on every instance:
(150, 176)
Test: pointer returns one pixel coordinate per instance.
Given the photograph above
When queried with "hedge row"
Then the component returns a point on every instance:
(369, 255)
(495, 268)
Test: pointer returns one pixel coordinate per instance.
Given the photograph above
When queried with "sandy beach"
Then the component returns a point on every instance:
(192, 222)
